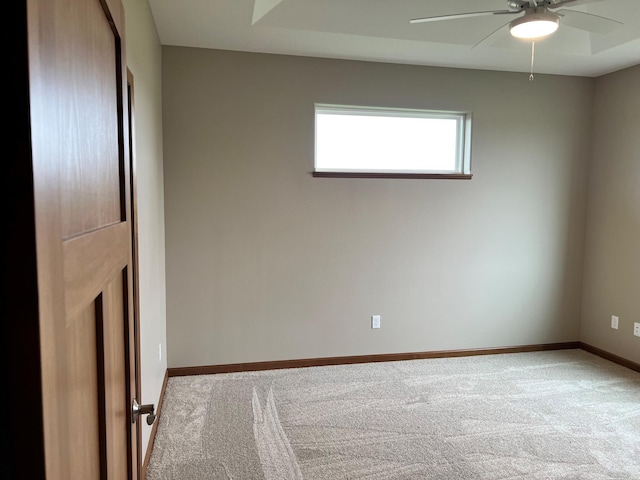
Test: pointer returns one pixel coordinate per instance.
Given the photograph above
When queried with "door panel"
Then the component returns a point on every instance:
(81, 175)
(92, 164)
(116, 408)
(81, 401)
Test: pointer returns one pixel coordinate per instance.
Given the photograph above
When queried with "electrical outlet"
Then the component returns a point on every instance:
(614, 322)
(636, 329)
(375, 321)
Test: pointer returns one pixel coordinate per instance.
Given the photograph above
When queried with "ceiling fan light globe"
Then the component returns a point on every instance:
(534, 26)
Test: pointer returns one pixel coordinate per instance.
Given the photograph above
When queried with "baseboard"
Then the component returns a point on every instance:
(391, 357)
(154, 428)
(610, 356)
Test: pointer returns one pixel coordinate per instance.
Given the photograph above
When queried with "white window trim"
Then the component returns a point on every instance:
(463, 137)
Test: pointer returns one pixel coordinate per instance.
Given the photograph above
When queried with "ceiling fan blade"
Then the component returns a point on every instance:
(456, 16)
(490, 35)
(571, 3)
(587, 21)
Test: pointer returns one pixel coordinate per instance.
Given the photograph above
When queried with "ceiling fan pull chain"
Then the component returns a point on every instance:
(533, 52)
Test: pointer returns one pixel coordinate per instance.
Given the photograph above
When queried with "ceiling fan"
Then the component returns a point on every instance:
(539, 18)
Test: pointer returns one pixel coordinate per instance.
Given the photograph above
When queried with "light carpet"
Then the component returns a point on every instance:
(546, 415)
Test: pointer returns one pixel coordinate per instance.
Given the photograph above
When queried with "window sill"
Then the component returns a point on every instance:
(443, 176)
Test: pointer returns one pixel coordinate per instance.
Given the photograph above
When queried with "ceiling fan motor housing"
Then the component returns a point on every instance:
(526, 4)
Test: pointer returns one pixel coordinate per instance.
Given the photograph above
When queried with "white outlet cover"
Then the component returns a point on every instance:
(375, 321)
(614, 322)
(636, 329)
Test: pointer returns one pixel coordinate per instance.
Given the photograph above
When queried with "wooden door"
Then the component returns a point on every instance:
(81, 187)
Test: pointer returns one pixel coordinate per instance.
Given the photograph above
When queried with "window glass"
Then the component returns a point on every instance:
(357, 139)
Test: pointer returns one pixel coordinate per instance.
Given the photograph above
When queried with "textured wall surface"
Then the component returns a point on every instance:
(612, 248)
(265, 262)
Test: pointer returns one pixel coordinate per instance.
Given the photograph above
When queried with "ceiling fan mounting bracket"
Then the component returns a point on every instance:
(517, 4)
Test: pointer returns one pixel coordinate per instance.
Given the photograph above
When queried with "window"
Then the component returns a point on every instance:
(382, 142)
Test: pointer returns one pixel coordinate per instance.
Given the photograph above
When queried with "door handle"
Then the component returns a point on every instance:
(137, 410)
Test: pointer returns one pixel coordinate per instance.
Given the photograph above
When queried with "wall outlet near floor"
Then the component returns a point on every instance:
(636, 329)
(375, 321)
(614, 322)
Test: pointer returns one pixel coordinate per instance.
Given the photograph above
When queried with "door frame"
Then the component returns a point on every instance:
(133, 219)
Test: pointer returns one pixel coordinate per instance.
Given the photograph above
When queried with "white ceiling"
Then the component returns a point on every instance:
(379, 30)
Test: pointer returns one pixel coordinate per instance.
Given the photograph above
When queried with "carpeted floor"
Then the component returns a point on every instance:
(546, 415)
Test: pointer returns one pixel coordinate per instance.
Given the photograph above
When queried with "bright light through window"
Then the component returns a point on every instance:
(356, 139)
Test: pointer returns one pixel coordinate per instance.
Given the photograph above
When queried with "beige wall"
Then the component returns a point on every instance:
(612, 255)
(144, 60)
(265, 262)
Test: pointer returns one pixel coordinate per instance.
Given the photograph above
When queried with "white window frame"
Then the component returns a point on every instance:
(463, 142)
